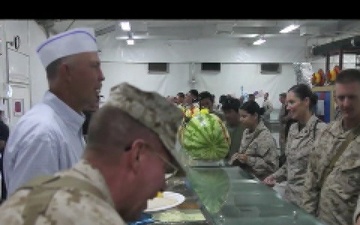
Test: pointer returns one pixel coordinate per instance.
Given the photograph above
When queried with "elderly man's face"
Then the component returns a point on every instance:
(86, 78)
(151, 164)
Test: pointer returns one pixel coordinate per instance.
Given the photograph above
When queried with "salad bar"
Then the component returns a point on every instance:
(224, 195)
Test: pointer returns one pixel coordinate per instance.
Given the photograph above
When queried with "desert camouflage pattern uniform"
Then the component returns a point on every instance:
(298, 147)
(262, 152)
(68, 206)
(268, 110)
(282, 123)
(334, 202)
(75, 206)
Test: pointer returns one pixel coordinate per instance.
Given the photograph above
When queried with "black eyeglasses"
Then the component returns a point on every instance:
(171, 169)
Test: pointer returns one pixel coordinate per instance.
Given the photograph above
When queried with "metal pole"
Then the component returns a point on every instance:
(7, 78)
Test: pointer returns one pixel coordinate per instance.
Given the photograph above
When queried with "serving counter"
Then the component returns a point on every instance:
(224, 195)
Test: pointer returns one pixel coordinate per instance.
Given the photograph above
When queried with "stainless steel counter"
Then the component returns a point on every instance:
(231, 196)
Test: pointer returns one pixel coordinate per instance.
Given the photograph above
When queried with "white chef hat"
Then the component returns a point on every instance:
(67, 43)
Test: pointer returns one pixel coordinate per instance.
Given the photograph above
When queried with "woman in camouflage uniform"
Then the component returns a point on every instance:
(301, 103)
(258, 151)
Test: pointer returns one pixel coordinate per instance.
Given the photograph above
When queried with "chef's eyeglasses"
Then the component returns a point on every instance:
(171, 169)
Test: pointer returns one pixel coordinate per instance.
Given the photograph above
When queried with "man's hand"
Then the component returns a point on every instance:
(269, 181)
(243, 158)
(237, 156)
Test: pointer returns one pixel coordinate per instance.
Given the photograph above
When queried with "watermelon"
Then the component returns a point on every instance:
(211, 186)
(205, 137)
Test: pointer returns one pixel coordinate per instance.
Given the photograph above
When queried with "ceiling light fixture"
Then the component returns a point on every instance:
(289, 28)
(130, 41)
(125, 26)
(260, 41)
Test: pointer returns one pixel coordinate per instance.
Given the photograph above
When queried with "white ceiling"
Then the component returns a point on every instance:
(204, 29)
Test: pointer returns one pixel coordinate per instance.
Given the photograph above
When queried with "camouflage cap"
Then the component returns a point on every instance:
(150, 109)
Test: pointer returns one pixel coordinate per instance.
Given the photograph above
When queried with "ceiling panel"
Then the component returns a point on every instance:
(203, 29)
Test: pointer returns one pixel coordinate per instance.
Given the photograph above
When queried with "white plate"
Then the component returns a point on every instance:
(169, 200)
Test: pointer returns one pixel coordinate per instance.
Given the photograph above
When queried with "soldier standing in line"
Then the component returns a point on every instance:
(230, 108)
(258, 152)
(130, 147)
(268, 106)
(332, 184)
(301, 102)
(283, 118)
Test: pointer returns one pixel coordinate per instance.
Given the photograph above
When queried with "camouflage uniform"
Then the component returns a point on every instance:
(262, 151)
(78, 207)
(298, 148)
(282, 123)
(89, 201)
(236, 134)
(335, 201)
(268, 110)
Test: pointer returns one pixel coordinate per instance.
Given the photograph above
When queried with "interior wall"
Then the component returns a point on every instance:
(39, 82)
(31, 36)
(240, 68)
(280, 50)
(21, 67)
(240, 63)
(234, 78)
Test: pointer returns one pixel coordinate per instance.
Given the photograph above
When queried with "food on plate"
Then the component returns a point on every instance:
(175, 215)
(168, 200)
(159, 194)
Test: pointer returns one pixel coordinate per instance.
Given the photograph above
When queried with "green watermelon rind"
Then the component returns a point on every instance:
(212, 187)
(210, 143)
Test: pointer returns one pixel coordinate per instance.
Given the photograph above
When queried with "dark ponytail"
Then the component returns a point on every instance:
(313, 102)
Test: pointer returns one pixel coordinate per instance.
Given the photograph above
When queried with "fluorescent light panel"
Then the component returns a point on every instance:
(125, 26)
(259, 41)
(289, 28)
(130, 41)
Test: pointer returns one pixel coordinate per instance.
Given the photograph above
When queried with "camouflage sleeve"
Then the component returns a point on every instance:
(311, 191)
(281, 174)
(266, 159)
(269, 108)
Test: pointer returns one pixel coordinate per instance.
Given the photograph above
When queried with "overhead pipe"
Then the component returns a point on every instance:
(351, 44)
